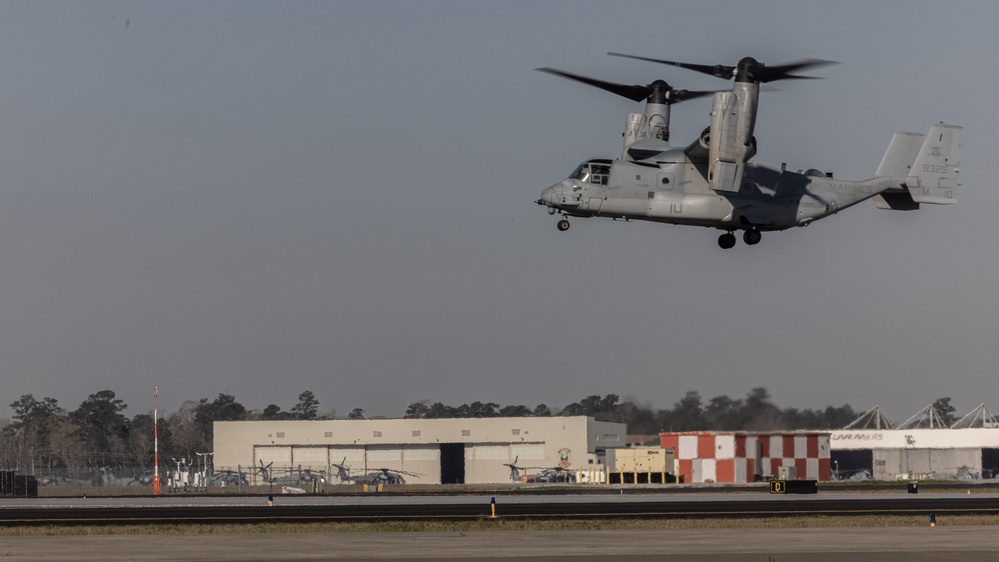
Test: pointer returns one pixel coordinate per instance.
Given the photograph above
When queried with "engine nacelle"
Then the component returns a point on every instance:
(653, 124)
(730, 138)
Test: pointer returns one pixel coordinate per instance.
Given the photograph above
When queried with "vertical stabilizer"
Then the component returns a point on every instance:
(901, 153)
(933, 177)
(896, 163)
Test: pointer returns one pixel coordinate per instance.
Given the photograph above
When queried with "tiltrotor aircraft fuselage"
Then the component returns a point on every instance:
(713, 181)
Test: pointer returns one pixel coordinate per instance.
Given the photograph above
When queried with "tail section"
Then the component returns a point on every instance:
(901, 153)
(933, 177)
(926, 165)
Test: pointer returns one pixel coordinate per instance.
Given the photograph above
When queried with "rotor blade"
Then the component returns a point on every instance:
(634, 93)
(723, 72)
(791, 77)
(787, 68)
(783, 71)
(681, 95)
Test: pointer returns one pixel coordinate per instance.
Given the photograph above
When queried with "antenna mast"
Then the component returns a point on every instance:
(156, 445)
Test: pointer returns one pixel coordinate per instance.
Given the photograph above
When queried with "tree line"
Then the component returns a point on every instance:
(755, 412)
(44, 435)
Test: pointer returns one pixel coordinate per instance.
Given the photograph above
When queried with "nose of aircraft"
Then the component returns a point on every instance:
(549, 196)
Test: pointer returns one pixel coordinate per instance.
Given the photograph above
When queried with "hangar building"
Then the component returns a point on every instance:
(914, 454)
(740, 457)
(921, 447)
(430, 451)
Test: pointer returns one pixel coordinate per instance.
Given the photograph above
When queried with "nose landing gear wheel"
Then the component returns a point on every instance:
(752, 237)
(563, 225)
(726, 241)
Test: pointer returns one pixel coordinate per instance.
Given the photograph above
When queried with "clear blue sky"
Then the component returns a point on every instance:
(266, 197)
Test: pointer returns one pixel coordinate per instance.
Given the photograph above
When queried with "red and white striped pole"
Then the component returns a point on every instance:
(156, 445)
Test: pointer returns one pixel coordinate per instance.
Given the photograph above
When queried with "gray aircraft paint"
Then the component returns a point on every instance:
(714, 183)
(768, 198)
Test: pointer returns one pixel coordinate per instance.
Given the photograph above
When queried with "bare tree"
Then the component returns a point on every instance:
(187, 435)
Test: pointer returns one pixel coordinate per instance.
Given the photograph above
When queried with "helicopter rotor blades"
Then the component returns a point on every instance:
(389, 471)
(656, 92)
(682, 95)
(783, 71)
(634, 93)
(724, 72)
(748, 69)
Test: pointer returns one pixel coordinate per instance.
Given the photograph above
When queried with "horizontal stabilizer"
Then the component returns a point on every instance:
(896, 201)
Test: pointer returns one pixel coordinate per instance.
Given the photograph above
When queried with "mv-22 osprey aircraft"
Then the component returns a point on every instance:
(713, 181)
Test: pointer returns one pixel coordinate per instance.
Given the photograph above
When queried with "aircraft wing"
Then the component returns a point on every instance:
(646, 148)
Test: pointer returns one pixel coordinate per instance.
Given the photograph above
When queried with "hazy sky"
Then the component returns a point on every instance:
(263, 198)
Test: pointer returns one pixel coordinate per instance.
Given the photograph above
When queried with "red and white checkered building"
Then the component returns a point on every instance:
(737, 457)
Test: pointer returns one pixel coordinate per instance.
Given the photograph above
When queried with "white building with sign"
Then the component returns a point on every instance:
(904, 454)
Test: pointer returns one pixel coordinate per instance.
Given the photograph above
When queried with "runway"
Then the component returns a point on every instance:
(726, 545)
(908, 544)
(304, 509)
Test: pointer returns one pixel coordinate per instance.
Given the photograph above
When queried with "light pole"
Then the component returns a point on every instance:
(205, 467)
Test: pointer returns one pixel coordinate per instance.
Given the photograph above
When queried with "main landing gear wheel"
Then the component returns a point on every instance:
(752, 237)
(726, 241)
(563, 225)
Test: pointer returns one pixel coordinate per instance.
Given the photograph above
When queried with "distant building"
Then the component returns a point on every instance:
(915, 454)
(739, 457)
(643, 441)
(922, 447)
(465, 450)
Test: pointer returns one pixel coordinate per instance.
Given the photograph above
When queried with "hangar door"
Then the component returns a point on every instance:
(990, 463)
(845, 464)
(270, 462)
(279, 456)
(452, 463)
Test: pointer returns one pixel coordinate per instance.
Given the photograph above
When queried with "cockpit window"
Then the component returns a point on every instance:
(592, 172)
(599, 173)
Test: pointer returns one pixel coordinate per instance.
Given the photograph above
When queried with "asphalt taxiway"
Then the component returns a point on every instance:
(775, 545)
(305, 509)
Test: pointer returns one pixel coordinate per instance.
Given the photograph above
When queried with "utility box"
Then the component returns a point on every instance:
(787, 473)
(18, 485)
(25, 486)
(640, 465)
(6, 482)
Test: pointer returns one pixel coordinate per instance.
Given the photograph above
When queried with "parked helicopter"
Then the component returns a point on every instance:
(514, 469)
(228, 477)
(713, 181)
(378, 476)
(265, 471)
(555, 474)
